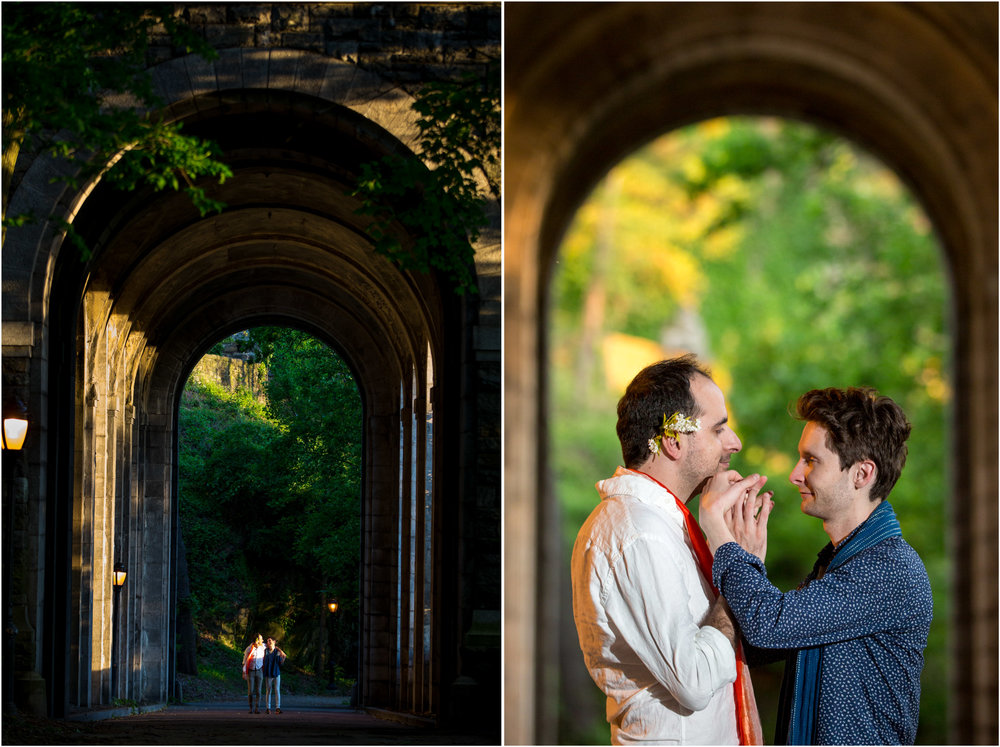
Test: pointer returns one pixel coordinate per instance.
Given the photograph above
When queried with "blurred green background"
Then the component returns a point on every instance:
(788, 259)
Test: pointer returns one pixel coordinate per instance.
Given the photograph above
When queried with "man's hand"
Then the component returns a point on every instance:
(727, 494)
(749, 523)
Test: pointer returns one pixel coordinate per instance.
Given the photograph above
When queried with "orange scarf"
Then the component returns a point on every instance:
(747, 717)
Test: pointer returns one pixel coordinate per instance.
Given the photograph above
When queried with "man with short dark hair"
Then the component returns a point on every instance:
(274, 657)
(855, 630)
(655, 637)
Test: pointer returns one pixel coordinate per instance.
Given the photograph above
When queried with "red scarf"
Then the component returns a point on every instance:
(250, 654)
(747, 717)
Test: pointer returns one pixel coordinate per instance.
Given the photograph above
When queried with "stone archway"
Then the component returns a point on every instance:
(916, 84)
(161, 287)
(109, 343)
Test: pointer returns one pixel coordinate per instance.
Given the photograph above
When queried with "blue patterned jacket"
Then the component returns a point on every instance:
(871, 615)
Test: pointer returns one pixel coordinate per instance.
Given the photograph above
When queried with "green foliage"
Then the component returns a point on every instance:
(270, 496)
(223, 450)
(314, 397)
(808, 266)
(436, 199)
(67, 67)
(129, 703)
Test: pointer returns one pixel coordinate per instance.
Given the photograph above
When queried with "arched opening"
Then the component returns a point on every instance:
(128, 326)
(570, 115)
(786, 259)
(269, 509)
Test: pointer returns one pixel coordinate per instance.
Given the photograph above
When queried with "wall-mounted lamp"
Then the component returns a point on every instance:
(332, 605)
(15, 424)
(118, 581)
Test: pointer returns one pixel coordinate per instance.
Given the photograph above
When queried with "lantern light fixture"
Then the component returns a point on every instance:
(15, 424)
(332, 605)
(118, 576)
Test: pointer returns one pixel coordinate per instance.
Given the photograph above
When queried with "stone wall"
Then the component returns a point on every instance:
(406, 42)
(231, 373)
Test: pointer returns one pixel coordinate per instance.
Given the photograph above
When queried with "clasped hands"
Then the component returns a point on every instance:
(734, 510)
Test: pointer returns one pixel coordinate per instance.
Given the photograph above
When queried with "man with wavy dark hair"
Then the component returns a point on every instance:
(858, 425)
(854, 632)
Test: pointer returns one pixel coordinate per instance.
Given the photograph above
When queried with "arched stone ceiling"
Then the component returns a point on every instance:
(891, 77)
(288, 245)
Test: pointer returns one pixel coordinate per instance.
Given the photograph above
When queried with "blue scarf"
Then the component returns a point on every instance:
(880, 525)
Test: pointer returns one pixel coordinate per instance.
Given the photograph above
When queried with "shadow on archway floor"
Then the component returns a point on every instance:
(229, 723)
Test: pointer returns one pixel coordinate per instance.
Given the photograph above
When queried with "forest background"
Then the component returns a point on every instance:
(788, 259)
(270, 496)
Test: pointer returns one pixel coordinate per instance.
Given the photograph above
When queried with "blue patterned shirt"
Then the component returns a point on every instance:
(871, 614)
(272, 663)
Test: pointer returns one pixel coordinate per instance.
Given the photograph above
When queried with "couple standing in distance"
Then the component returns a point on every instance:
(669, 619)
(262, 663)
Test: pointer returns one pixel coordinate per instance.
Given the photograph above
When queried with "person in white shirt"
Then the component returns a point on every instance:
(655, 636)
(253, 673)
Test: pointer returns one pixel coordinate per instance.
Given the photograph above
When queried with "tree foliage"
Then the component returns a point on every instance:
(270, 490)
(76, 87)
(312, 394)
(437, 198)
(224, 443)
(790, 260)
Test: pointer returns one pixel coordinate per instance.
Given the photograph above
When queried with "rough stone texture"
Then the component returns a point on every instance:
(399, 41)
(230, 373)
(586, 84)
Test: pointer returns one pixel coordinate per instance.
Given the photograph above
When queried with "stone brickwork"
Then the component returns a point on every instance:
(408, 43)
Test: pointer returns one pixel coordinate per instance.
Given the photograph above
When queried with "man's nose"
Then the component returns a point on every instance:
(734, 444)
(796, 477)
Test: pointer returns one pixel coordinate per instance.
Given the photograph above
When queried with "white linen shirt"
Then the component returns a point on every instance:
(638, 601)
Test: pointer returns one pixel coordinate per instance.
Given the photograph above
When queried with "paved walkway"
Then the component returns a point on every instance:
(303, 721)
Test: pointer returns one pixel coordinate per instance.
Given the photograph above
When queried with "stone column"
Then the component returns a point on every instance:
(380, 536)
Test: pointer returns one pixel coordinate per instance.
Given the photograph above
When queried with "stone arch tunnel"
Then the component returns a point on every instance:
(100, 351)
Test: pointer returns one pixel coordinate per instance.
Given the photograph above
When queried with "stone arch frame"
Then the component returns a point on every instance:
(916, 84)
(301, 257)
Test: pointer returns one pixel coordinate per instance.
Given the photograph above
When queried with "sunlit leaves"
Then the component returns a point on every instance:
(75, 86)
(438, 200)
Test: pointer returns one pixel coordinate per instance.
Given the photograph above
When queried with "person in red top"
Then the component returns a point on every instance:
(253, 673)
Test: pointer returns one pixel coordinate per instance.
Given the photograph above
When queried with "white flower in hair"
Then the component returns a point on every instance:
(677, 423)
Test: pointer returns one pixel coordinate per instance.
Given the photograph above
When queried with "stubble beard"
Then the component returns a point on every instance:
(698, 477)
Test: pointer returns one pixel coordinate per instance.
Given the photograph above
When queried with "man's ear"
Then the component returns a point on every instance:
(864, 474)
(671, 447)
